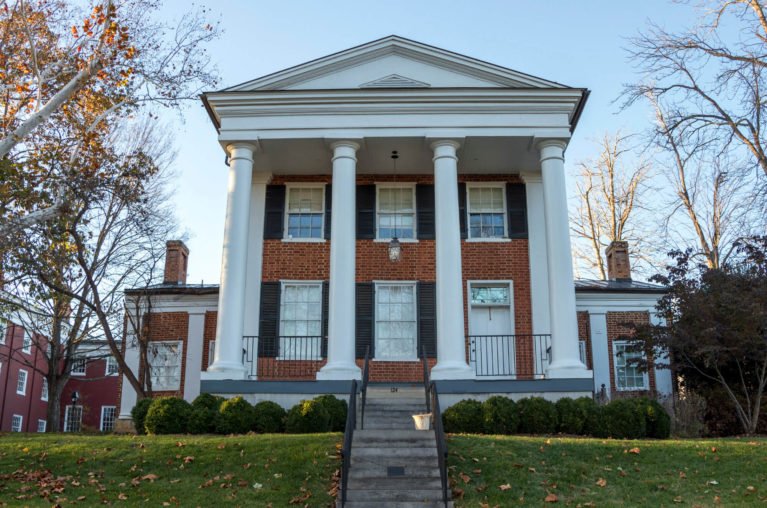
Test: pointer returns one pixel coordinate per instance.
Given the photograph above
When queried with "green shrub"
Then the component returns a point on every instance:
(500, 415)
(167, 415)
(594, 421)
(235, 416)
(201, 420)
(208, 401)
(308, 416)
(537, 416)
(658, 421)
(138, 413)
(624, 419)
(337, 409)
(464, 416)
(571, 415)
(270, 417)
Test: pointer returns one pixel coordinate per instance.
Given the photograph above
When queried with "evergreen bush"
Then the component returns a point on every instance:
(571, 415)
(337, 410)
(500, 415)
(308, 416)
(270, 417)
(657, 419)
(624, 419)
(464, 416)
(537, 416)
(594, 422)
(167, 415)
(138, 414)
(235, 416)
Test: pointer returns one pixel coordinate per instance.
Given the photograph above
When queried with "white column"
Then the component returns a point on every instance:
(227, 362)
(536, 248)
(193, 353)
(664, 383)
(600, 354)
(128, 396)
(451, 342)
(343, 252)
(565, 358)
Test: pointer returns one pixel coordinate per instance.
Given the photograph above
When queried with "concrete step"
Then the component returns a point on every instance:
(371, 464)
(395, 444)
(390, 425)
(395, 483)
(369, 471)
(377, 451)
(395, 504)
(393, 411)
(383, 435)
(387, 496)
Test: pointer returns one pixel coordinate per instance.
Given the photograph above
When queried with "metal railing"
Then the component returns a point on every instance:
(364, 389)
(509, 355)
(346, 448)
(439, 433)
(285, 357)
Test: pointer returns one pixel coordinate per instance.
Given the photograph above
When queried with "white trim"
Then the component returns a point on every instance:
(44, 390)
(645, 378)
(21, 423)
(512, 320)
(18, 379)
(114, 417)
(280, 331)
(285, 212)
(106, 366)
(414, 285)
(3, 332)
(44, 425)
(397, 185)
(26, 343)
(180, 363)
(504, 211)
(76, 361)
(67, 410)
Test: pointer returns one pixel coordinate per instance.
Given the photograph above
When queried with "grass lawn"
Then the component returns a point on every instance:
(506, 470)
(252, 470)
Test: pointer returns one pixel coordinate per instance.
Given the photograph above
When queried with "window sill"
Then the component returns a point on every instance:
(643, 389)
(401, 240)
(23, 394)
(80, 374)
(304, 240)
(488, 240)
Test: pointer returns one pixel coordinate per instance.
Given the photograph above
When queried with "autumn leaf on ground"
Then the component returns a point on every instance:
(466, 478)
(505, 487)
(458, 494)
(551, 498)
(601, 482)
(678, 499)
(188, 459)
(634, 450)
(151, 477)
(122, 496)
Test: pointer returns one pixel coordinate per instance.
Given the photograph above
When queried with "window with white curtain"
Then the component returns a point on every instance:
(301, 320)
(304, 212)
(165, 365)
(487, 211)
(395, 315)
(396, 211)
(628, 377)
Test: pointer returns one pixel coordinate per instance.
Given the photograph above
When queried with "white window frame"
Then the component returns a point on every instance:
(111, 359)
(582, 352)
(44, 390)
(397, 185)
(180, 359)
(41, 425)
(282, 345)
(212, 352)
(26, 343)
(3, 332)
(298, 185)
(76, 361)
(23, 391)
(67, 411)
(14, 426)
(645, 377)
(376, 285)
(504, 212)
(114, 418)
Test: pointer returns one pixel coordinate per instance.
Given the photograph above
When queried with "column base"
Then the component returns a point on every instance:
(568, 369)
(224, 370)
(339, 371)
(451, 370)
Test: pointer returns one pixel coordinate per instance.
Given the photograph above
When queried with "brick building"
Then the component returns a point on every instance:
(401, 201)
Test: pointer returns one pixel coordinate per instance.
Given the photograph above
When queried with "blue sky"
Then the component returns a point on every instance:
(578, 43)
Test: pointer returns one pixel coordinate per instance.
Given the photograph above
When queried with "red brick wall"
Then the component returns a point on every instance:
(617, 331)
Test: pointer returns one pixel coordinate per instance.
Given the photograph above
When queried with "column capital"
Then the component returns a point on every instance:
(450, 144)
(345, 143)
(551, 148)
(261, 177)
(241, 150)
(531, 177)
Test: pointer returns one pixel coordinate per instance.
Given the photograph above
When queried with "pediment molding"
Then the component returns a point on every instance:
(395, 81)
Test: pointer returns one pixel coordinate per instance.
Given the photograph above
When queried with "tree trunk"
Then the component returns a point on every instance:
(53, 412)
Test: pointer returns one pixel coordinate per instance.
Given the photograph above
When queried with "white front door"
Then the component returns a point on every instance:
(491, 330)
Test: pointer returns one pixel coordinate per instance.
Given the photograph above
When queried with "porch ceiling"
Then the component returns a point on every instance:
(477, 155)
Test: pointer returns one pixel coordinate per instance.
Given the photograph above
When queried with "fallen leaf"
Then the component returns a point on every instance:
(458, 493)
(601, 482)
(634, 450)
(505, 487)
(750, 488)
(180, 444)
(122, 496)
(188, 459)
(480, 489)
(151, 477)
(221, 446)
(678, 499)
(531, 469)
(466, 478)
(477, 471)
(551, 498)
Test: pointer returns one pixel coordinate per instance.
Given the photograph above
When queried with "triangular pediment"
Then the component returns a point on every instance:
(394, 62)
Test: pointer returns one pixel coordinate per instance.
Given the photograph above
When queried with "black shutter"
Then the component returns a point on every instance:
(516, 202)
(325, 301)
(275, 211)
(424, 207)
(269, 321)
(462, 209)
(365, 319)
(328, 209)
(366, 211)
(427, 319)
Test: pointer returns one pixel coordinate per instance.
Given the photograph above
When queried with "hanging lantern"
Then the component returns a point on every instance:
(395, 250)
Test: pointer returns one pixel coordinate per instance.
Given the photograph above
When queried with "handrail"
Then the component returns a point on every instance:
(364, 389)
(439, 434)
(346, 448)
(425, 378)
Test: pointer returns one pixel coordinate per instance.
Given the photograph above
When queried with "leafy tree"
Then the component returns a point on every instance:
(716, 325)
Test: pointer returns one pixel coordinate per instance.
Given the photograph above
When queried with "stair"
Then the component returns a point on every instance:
(392, 464)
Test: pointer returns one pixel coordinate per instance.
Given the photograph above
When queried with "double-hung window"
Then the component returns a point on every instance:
(41, 425)
(79, 366)
(107, 418)
(165, 365)
(44, 393)
(487, 211)
(395, 214)
(3, 331)
(21, 382)
(73, 418)
(16, 422)
(305, 212)
(112, 366)
(26, 345)
(301, 320)
(396, 331)
(628, 377)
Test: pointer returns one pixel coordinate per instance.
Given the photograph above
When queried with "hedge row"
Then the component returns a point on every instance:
(212, 414)
(622, 418)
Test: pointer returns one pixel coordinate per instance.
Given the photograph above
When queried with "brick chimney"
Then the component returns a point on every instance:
(176, 257)
(618, 263)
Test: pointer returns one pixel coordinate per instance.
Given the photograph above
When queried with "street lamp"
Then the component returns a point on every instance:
(75, 397)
